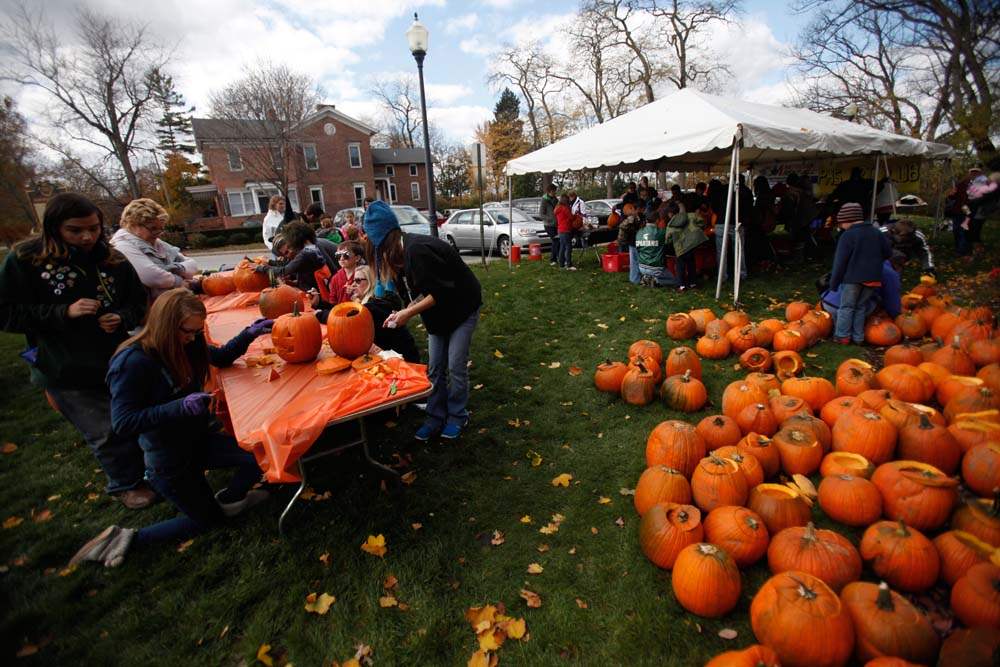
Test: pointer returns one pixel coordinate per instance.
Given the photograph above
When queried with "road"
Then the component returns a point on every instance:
(212, 261)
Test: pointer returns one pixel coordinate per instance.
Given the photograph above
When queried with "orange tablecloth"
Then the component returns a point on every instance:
(279, 420)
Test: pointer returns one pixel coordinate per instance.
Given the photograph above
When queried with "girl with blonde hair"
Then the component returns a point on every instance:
(275, 216)
(160, 266)
(157, 379)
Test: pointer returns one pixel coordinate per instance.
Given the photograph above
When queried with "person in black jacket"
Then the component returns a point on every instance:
(157, 379)
(547, 209)
(75, 298)
(306, 255)
(447, 296)
(857, 271)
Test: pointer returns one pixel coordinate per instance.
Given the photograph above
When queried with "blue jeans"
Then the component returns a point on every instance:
(89, 410)
(448, 370)
(633, 265)
(855, 300)
(183, 483)
(660, 274)
(554, 250)
(963, 245)
(565, 252)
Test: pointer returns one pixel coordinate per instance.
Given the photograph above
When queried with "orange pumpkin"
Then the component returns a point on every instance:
(218, 284)
(650, 364)
(757, 418)
(681, 326)
(921, 440)
(760, 447)
(901, 555)
(683, 393)
(297, 337)
(954, 358)
(756, 655)
(719, 431)
(350, 329)
(853, 377)
(609, 375)
(779, 506)
(980, 517)
(675, 444)
(712, 346)
(706, 580)
(738, 530)
(738, 395)
(808, 330)
(773, 325)
(665, 530)
(847, 463)
(971, 432)
(823, 321)
(800, 450)
(789, 340)
(838, 406)
(875, 398)
(639, 385)
(981, 468)
(660, 484)
(825, 554)
(766, 382)
(912, 325)
(984, 352)
(246, 279)
(741, 339)
(646, 348)
(865, 432)
(716, 482)
(975, 597)
(903, 354)
(954, 385)
(736, 318)
(937, 372)
(798, 616)
(717, 328)
(682, 359)
(901, 413)
(749, 465)
(991, 376)
(787, 364)
(970, 647)
(784, 407)
(852, 501)
(756, 359)
(701, 317)
(887, 624)
(971, 330)
(815, 391)
(917, 493)
(959, 551)
(906, 382)
(796, 310)
(971, 402)
(279, 300)
(813, 424)
(882, 332)
(943, 324)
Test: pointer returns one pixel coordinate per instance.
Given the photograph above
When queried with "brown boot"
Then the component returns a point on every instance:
(138, 498)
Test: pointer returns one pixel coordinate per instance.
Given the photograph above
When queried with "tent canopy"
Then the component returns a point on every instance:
(690, 130)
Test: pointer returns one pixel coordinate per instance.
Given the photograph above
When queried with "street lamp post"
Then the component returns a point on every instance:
(417, 37)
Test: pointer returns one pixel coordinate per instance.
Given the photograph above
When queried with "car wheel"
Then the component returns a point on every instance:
(451, 242)
(503, 245)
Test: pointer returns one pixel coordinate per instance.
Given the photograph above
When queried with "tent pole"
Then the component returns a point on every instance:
(725, 226)
(510, 223)
(878, 156)
(737, 245)
(885, 163)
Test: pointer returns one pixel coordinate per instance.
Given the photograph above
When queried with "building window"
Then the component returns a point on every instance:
(413, 170)
(316, 195)
(354, 155)
(235, 161)
(392, 193)
(359, 194)
(390, 170)
(311, 158)
(415, 191)
(241, 202)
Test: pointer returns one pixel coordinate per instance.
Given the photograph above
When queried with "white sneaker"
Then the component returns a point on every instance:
(253, 497)
(571, 268)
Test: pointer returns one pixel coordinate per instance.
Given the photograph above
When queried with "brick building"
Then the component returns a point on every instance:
(333, 164)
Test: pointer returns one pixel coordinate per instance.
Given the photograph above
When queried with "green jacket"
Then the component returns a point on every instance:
(650, 242)
(684, 231)
(73, 353)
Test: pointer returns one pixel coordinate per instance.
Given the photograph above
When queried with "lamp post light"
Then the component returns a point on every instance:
(417, 37)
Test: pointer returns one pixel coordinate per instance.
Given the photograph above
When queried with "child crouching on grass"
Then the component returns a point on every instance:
(156, 381)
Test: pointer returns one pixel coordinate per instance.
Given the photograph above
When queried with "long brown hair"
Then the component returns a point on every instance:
(49, 245)
(160, 338)
(391, 257)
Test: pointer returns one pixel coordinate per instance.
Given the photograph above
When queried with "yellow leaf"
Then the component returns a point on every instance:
(319, 604)
(12, 522)
(42, 516)
(375, 545)
(516, 628)
(477, 387)
(527, 387)
(325, 558)
(477, 615)
(536, 458)
(8, 448)
(593, 530)
(387, 601)
(562, 480)
(604, 500)
(409, 478)
(490, 640)
(558, 518)
(68, 570)
(263, 655)
(526, 518)
(602, 325)
(621, 319)
(498, 538)
(479, 659)
(549, 528)
(531, 598)
(183, 546)
(416, 526)
(555, 364)
(581, 604)
(535, 568)
(390, 582)
(498, 354)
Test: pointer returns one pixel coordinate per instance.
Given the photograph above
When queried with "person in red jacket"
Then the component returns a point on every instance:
(564, 227)
(350, 255)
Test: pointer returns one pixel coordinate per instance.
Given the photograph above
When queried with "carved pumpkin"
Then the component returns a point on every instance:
(756, 359)
(741, 339)
(665, 530)
(847, 463)
(712, 346)
(959, 551)
(800, 450)
(867, 433)
(639, 385)
(901, 555)
(785, 407)
(971, 432)
(971, 402)
(980, 517)
(279, 300)
(766, 382)
(350, 330)
(609, 375)
(900, 413)
(684, 393)
(716, 482)
(218, 284)
(798, 616)
(738, 530)
(822, 553)
(953, 385)
(706, 580)
(903, 354)
(779, 507)
(907, 383)
(823, 321)
(761, 448)
(297, 337)
(246, 279)
(975, 598)
(875, 398)
(660, 484)
(675, 444)
(680, 326)
(682, 359)
(787, 364)
(981, 468)
(815, 391)
(817, 426)
(917, 493)
(887, 624)
(719, 431)
(852, 501)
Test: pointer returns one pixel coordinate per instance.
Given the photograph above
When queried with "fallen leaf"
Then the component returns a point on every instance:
(478, 616)
(555, 364)
(375, 545)
(516, 627)
(319, 604)
(490, 639)
(264, 655)
(593, 530)
(527, 387)
(478, 386)
(479, 659)
(12, 522)
(728, 633)
(416, 526)
(535, 568)
(558, 518)
(581, 604)
(533, 600)
(390, 582)
(604, 500)
(325, 558)
(498, 354)
(575, 370)
(626, 492)
(811, 355)
(8, 448)
(498, 538)
(621, 319)
(43, 516)
(549, 528)
(68, 570)
(225, 630)
(542, 548)
(26, 650)
(409, 478)
(602, 325)
(620, 522)
(562, 480)
(388, 601)
(183, 546)
(535, 457)
(526, 518)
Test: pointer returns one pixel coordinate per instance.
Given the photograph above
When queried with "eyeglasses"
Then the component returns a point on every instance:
(356, 281)
(341, 255)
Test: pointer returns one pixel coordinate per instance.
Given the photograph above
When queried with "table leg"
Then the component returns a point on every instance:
(298, 492)
(368, 457)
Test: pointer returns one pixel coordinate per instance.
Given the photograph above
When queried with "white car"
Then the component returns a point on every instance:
(462, 230)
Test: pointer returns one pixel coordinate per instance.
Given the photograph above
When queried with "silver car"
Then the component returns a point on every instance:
(462, 230)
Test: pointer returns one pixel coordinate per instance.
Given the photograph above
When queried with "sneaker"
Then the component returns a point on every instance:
(114, 554)
(138, 498)
(94, 549)
(452, 431)
(842, 341)
(571, 268)
(253, 497)
(553, 263)
(682, 288)
(426, 431)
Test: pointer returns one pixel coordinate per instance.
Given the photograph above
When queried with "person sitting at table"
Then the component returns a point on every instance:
(350, 255)
(306, 255)
(160, 266)
(328, 231)
(650, 243)
(157, 381)
(684, 232)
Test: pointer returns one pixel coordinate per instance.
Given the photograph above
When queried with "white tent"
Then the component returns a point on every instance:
(690, 130)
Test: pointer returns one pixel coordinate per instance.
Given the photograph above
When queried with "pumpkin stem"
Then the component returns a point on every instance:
(295, 308)
(682, 516)
(902, 531)
(805, 591)
(720, 422)
(884, 599)
(925, 423)
(272, 278)
(810, 534)
(995, 510)
(687, 376)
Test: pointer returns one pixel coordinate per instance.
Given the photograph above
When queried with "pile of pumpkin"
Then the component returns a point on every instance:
(885, 445)
(718, 338)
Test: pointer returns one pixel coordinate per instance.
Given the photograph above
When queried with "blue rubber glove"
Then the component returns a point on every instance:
(195, 404)
(260, 326)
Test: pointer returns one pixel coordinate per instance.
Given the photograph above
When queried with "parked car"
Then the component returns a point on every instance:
(601, 209)
(411, 221)
(462, 230)
(530, 205)
(530, 211)
(441, 218)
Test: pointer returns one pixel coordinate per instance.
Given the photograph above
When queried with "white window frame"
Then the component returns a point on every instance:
(229, 158)
(305, 157)
(247, 200)
(415, 191)
(314, 189)
(392, 193)
(413, 170)
(390, 170)
(350, 158)
(359, 201)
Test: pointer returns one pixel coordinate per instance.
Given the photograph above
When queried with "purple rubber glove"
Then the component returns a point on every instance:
(195, 404)
(260, 326)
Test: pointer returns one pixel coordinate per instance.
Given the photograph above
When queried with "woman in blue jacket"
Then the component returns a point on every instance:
(156, 381)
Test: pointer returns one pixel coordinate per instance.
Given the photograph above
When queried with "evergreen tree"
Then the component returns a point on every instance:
(173, 129)
(505, 135)
(508, 107)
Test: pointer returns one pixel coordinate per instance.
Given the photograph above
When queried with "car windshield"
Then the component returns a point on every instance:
(598, 208)
(407, 215)
(519, 216)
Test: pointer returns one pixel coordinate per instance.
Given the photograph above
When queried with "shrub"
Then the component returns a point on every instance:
(174, 238)
(216, 241)
(239, 238)
(198, 240)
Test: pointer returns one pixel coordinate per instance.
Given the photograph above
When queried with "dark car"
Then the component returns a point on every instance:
(530, 205)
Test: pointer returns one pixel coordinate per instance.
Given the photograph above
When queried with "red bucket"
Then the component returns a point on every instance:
(534, 252)
(515, 254)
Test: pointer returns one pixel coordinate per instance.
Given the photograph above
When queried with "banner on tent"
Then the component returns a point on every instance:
(826, 174)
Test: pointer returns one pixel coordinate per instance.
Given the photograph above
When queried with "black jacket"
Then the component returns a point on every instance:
(434, 267)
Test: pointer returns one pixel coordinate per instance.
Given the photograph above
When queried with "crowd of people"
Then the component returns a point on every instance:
(115, 338)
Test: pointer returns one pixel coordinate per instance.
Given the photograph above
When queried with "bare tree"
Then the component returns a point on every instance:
(630, 26)
(263, 113)
(531, 71)
(683, 24)
(99, 85)
(399, 99)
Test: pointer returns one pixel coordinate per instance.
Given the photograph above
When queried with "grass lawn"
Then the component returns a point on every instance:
(216, 601)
